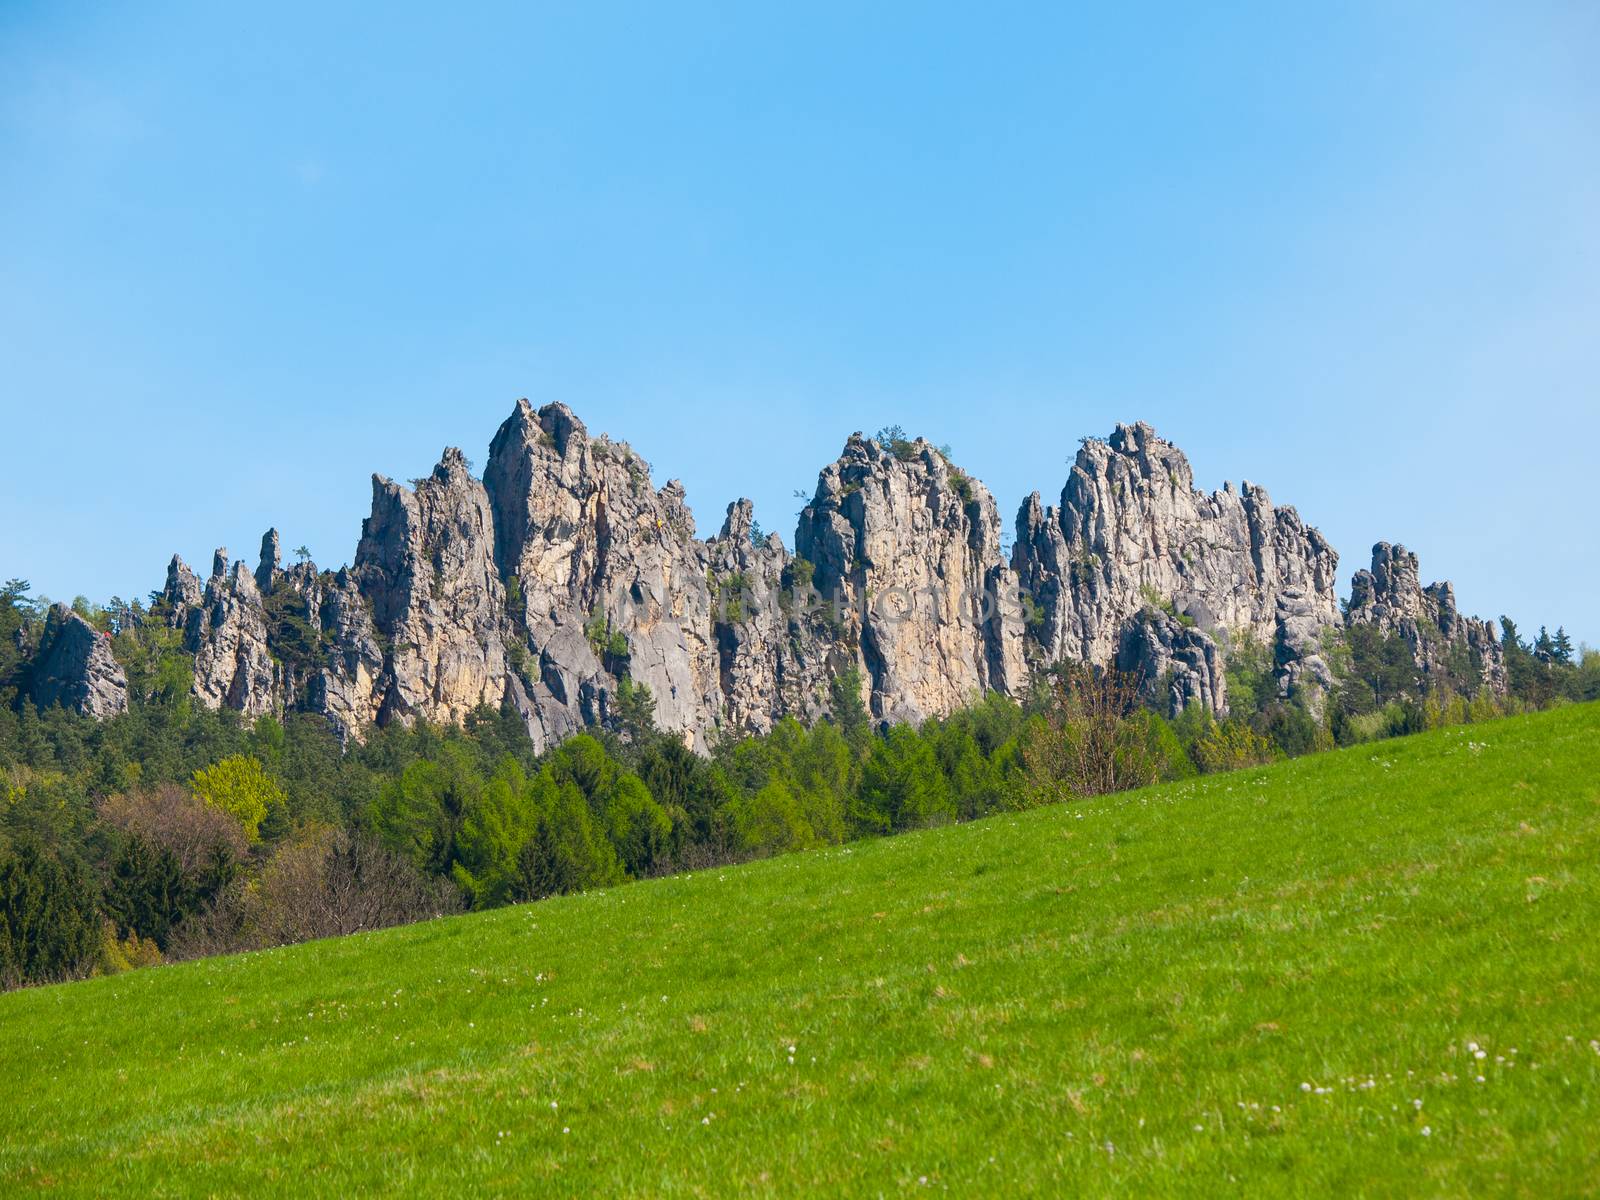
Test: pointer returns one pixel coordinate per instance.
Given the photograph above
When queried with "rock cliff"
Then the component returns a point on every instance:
(909, 547)
(425, 567)
(1132, 533)
(74, 667)
(566, 575)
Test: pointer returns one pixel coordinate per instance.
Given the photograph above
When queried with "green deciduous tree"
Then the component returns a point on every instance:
(239, 786)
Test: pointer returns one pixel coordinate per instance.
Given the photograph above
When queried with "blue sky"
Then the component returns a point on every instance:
(1350, 252)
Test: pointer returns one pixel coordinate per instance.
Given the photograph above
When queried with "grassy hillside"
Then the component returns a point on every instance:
(1272, 979)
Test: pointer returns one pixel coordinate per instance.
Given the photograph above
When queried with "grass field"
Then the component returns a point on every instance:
(1375, 971)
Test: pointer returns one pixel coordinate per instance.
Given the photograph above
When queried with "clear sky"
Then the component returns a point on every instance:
(1350, 252)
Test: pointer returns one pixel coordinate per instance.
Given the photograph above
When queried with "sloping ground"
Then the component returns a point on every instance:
(1267, 981)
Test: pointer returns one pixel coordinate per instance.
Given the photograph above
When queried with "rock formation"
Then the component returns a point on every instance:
(609, 578)
(1132, 532)
(566, 576)
(227, 634)
(1448, 648)
(910, 547)
(74, 667)
(426, 567)
(1177, 662)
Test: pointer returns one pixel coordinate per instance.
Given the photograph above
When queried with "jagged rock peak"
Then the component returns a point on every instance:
(909, 546)
(183, 585)
(425, 564)
(1177, 664)
(1132, 529)
(740, 520)
(74, 667)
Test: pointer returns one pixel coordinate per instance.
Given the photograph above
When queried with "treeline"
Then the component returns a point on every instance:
(174, 831)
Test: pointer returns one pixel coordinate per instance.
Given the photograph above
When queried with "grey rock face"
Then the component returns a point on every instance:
(227, 634)
(911, 547)
(1132, 530)
(183, 588)
(1177, 663)
(425, 564)
(1298, 647)
(1444, 644)
(610, 577)
(566, 571)
(74, 667)
(350, 687)
(271, 559)
(778, 644)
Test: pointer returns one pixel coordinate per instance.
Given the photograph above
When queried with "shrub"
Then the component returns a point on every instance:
(323, 883)
(1090, 739)
(171, 819)
(1231, 745)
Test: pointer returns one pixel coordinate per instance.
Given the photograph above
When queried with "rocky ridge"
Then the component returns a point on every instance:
(565, 575)
(1447, 647)
(1136, 564)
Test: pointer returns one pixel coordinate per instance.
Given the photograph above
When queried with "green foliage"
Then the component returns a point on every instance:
(419, 815)
(240, 787)
(1231, 745)
(901, 786)
(801, 573)
(610, 645)
(636, 825)
(960, 482)
(568, 852)
(497, 822)
(49, 928)
(848, 711)
(894, 439)
(1249, 674)
(769, 822)
(634, 709)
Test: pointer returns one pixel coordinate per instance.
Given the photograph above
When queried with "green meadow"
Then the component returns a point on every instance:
(1374, 971)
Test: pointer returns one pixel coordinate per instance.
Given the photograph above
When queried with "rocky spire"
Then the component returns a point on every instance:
(1445, 645)
(566, 572)
(267, 569)
(611, 577)
(425, 564)
(183, 586)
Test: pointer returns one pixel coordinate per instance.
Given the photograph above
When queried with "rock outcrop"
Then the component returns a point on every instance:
(234, 666)
(566, 579)
(1175, 661)
(778, 642)
(1133, 532)
(1449, 650)
(74, 667)
(426, 567)
(609, 579)
(909, 546)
